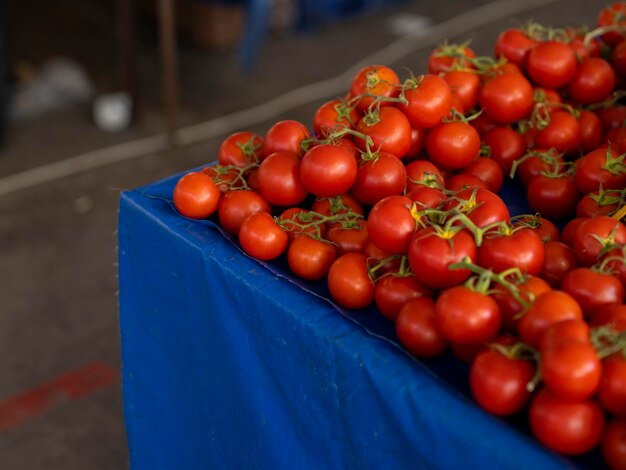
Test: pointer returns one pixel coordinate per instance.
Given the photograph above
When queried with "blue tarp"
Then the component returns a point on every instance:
(230, 364)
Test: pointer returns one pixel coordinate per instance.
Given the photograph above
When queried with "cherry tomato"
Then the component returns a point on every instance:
(594, 203)
(196, 196)
(310, 258)
(465, 87)
(600, 166)
(391, 224)
(563, 331)
(559, 260)
(592, 290)
(464, 181)
(235, 206)
(507, 98)
(568, 232)
(614, 444)
(334, 114)
(328, 170)
(285, 135)
(553, 197)
(614, 315)
(429, 100)
(465, 316)
(498, 383)
(294, 221)
(481, 206)
(376, 179)
(551, 64)
(571, 428)
(446, 56)
(514, 45)
(337, 205)
(349, 282)
(593, 81)
(390, 132)
(393, 291)
(418, 139)
(453, 145)
(612, 15)
(521, 249)
(241, 149)
(374, 80)
(545, 229)
(530, 287)
(423, 172)
(562, 134)
(417, 330)
(427, 197)
(506, 146)
(346, 240)
(280, 181)
(612, 392)
(489, 171)
(586, 245)
(261, 237)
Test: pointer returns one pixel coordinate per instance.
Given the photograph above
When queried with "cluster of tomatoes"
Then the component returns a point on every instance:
(393, 200)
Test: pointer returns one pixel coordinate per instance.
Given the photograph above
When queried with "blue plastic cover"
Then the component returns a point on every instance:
(230, 364)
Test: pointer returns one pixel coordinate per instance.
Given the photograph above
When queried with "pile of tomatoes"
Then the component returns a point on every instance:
(393, 200)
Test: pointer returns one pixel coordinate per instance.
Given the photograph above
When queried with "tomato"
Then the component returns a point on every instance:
(592, 290)
(375, 255)
(196, 196)
(562, 134)
(537, 161)
(489, 171)
(568, 232)
(391, 224)
(498, 383)
(417, 330)
(612, 392)
(241, 149)
(465, 316)
(612, 117)
(514, 45)
(332, 115)
(506, 146)
(570, 369)
(453, 145)
(551, 307)
(261, 237)
(418, 139)
(593, 81)
(280, 181)
(235, 206)
(530, 287)
(612, 15)
(427, 197)
(559, 260)
(600, 166)
(297, 221)
(586, 245)
(481, 206)
(507, 98)
(521, 249)
(310, 258)
(553, 197)
(377, 81)
(618, 59)
(393, 291)
(563, 331)
(465, 87)
(349, 282)
(224, 177)
(429, 100)
(328, 170)
(423, 172)
(614, 444)
(545, 229)
(285, 135)
(614, 315)
(337, 205)
(463, 181)
(352, 239)
(551, 64)
(594, 203)
(446, 56)
(431, 252)
(390, 132)
(483, 124)
(376, 179)
(571, 428)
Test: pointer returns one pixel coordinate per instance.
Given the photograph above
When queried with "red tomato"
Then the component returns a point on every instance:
(571, 428)
(562, 134)
(427, 197)
(328, 170)
(594, 203)
(261, 237)
(376, 81)
(430, 254)
(337, 205)
(235, 206)
(570, 369)
(447, 56)
(481, 206)
(514, 45)
(553, 197)
(285, 135)
(332, 115)
(545, 229)
(465, 86)
(241, 149)
(393, 291)
(618, 59)
(506, 146)
(614, 315)
(375, 255)
(489, 171)
(376, 179)
(593, 81)
(566, 330)
(416, 328)
(507, 98)
(467, 317)
(614, 444)
(224, 177)
(463, 181)
(612, 117)
(196, 196)
(418, 139)
(568, 232)
(423, 172)
(521, 249)
(296, 221)
(586, 245)
(536, 162)
(612, 15)
(346, 240)
(280, 181)
(530, 287)
(391, 224)
(612, 392)
(498, 383)
(551, 64)
(390, 132)
(453, 145)
(559, 260)
(551, 307)
(592, 290)
(349, 282)
(310, 258)
(429, 100)
(600, 166)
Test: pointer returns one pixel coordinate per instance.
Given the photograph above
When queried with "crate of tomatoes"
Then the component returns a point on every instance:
(394, 198)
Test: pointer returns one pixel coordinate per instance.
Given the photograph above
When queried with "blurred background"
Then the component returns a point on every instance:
(100, 96)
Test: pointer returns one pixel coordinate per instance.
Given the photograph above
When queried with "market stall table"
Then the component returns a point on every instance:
(230, 363)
